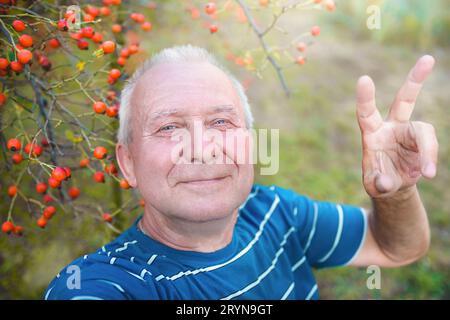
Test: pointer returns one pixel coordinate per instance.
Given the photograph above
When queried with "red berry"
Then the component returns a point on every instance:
(97, 37)
(121, 61)
(105, 11)
(124, 184)
(111, 80)
(99, 107)
(137, 17)
(62, 25)
(59, 174)
(70, 14)
(301, 46)
(68, 172)
(84, 163)
(133, 49)
(114, 73)
(76, 36)
(47, 198)
(7, 227)
(54, 43)
(16, 66)
(100, 152)
(83, 44)
(26, 40)
(213, 28)
(49, 212)
(12, 191)
(53, 183)
(2, 99)
(123, 53)
(99, 177)
(33, 149)
(87, 32)
(24, 56)
(146, 26)
(210, 8)
(14, 144)
(17, 158)
(111, 169)
(44, 142)
(330, 5)
(108, 46)
(315, 31)
(74, 192)
(300, 60)
(4, 63)
(112, 111)
(41, 187)
(18, 230)
(18, 25)
(92, 10)
(116, 28)
(45, 63)
(88, 17)
(42, 222)
(107, 217)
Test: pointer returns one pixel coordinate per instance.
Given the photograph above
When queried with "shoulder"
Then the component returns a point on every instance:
(276, 197)
(273, 205)
(108, 273)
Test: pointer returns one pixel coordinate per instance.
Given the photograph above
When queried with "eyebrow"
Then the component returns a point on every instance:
(214, 109)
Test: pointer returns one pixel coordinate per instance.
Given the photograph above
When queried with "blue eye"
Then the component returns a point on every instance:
(168, 127)
(219, 121)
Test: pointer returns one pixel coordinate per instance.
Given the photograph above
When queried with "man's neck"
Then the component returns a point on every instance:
(180, 234)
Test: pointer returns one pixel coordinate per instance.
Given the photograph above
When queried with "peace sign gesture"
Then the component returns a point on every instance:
(396, 151)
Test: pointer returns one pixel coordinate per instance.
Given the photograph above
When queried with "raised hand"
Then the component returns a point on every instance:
(396, 151)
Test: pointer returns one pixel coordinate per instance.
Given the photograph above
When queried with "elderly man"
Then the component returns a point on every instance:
(208, 232)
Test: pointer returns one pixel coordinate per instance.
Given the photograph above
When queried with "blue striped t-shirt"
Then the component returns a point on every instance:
(278, 238)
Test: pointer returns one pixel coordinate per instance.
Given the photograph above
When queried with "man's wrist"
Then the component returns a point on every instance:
(399, 196)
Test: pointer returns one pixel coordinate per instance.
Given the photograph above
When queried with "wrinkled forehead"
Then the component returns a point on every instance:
(192, 87)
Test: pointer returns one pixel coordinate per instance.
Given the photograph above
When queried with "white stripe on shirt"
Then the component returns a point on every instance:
(237, 256)
(266, 272)
(338, 234)
(288, 291)
(310, 294)
(313, 229)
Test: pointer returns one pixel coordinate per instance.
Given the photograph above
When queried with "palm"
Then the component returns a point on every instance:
(396, 151)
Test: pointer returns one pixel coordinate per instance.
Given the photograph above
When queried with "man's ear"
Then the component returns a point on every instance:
(126, 164)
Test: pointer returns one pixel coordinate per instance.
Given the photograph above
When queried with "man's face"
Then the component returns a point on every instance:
(193, 99)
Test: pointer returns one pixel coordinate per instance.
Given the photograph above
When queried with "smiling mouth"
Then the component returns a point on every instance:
(203, 181)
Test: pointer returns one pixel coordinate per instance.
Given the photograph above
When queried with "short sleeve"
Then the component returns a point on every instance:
(331, 234)
(89, 290)
(97, 281)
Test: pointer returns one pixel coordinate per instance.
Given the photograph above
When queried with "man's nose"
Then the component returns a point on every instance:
(204, 148)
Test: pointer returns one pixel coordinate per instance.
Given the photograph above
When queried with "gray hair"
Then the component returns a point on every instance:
(186, 53)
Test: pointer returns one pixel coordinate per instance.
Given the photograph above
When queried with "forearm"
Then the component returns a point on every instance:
(400, 225)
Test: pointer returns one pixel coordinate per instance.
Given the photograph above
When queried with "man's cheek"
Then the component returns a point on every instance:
(155, 161)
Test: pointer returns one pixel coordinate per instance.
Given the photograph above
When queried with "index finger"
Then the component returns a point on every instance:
(403, 105)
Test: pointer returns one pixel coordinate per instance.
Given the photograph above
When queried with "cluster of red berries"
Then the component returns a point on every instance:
(8, 227)
(22, 53)
(140, 18)
(30, 149)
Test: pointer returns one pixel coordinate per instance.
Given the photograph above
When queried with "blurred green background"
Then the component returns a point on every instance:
(320, 149)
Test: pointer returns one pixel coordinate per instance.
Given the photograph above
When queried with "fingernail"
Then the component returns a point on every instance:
(430, 170)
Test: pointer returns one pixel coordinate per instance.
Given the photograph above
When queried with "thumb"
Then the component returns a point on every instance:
(384, 183)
